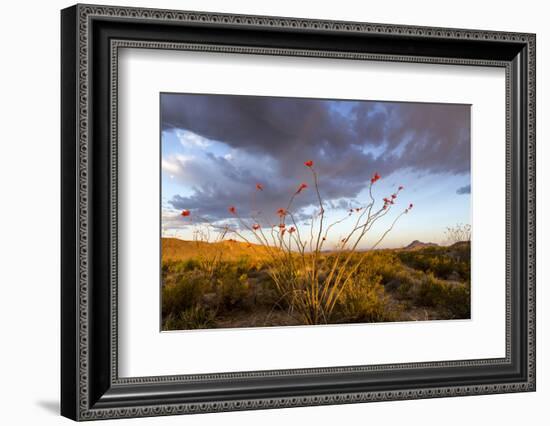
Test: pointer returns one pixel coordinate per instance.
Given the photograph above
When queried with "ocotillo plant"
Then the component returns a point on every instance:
(311, 283)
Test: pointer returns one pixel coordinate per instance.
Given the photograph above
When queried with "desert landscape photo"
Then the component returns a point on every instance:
(291, 211)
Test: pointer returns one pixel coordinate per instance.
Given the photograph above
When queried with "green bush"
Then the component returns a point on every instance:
(192, 318)
(441, 261)
(183, 294)
(453, 298)
(365, 300)
(232, 290)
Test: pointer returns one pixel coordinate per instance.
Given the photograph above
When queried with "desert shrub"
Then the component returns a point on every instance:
(265, 293)
(166, 267)
(404, 289)
(189, 265)
(395, 276)
(403, 279)
(461, 251)
(183, 294)
(179, 266)
(171, 270)
(452, 298)
(232, 289)
(440, 261)
(383, 263)
(191, 318)
(243, 265)
(365, 300)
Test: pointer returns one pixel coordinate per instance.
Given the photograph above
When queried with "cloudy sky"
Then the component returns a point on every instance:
(216, 148)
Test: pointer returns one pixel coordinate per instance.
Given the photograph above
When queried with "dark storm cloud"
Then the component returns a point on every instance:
(226, 185)
(348, 141)
(438, 134)
(464, 190)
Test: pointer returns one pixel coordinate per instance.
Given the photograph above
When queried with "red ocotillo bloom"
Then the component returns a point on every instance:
(282, 226)
(302, 186)
(374, 178)
(232, 210)
(400, 188)
(259, 187)
(255, 227)
(185, 213)
(292, 229)
(308, 163)
(281, 212)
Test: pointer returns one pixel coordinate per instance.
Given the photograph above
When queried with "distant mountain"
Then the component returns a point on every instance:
(417, 245)
(176, 249)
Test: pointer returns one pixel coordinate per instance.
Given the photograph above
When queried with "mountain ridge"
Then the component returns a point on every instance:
(417, 245)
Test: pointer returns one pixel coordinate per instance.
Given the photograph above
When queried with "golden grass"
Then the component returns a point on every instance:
(389, 285)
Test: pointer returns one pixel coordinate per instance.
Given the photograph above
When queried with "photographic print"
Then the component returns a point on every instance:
(280, 211)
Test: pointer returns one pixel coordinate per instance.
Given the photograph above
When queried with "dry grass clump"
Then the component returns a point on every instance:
(193, 297)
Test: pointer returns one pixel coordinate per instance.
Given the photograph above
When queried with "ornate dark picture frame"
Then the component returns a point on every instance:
(90, 386)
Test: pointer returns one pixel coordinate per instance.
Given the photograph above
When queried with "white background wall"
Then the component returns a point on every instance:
(29, 213)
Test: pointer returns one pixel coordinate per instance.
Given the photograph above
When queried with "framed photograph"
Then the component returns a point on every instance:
(263, 212)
